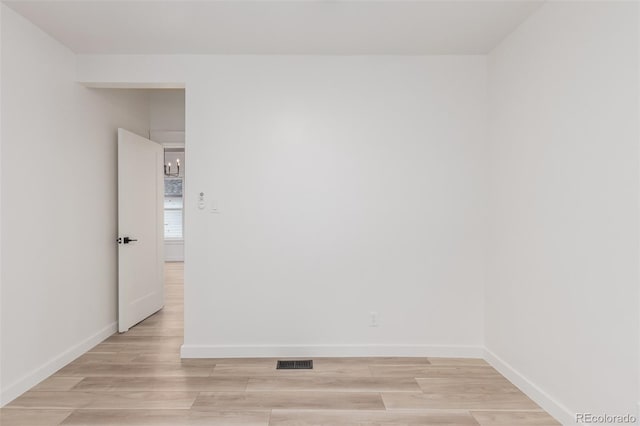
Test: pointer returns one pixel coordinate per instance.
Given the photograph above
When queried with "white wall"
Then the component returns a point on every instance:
(345, 185)
(166, 109)
(562, 291)
(58, 205)
(1, 132)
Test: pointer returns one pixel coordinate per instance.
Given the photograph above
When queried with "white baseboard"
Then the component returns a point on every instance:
(539, 396)
(548, 403)
(37, 375)
(268, 351)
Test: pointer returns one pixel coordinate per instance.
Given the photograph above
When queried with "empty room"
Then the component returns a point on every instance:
(319, 212)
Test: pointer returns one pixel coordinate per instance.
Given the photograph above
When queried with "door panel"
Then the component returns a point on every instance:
(140, 229)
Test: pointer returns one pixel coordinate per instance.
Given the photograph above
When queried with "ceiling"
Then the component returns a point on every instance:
(278, 27)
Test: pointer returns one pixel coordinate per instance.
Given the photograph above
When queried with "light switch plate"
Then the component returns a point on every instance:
(214, 207)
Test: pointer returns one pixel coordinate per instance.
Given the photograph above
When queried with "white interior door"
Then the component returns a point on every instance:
(140, 229)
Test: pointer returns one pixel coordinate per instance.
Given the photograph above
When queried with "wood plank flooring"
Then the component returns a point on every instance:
(138, 378)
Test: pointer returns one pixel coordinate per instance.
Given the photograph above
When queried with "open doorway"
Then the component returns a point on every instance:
(174, 165)
(169, 321)
(167, 130)
(167, 127)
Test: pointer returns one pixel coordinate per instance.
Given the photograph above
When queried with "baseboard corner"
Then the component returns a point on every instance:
(40, 373)
(533, 391)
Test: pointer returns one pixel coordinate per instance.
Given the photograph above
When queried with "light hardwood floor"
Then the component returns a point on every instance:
(138, 378)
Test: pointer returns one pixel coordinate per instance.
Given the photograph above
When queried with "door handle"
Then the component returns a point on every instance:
(126, 240)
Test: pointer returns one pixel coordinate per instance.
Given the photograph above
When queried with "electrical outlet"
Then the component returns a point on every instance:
(373, 319)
